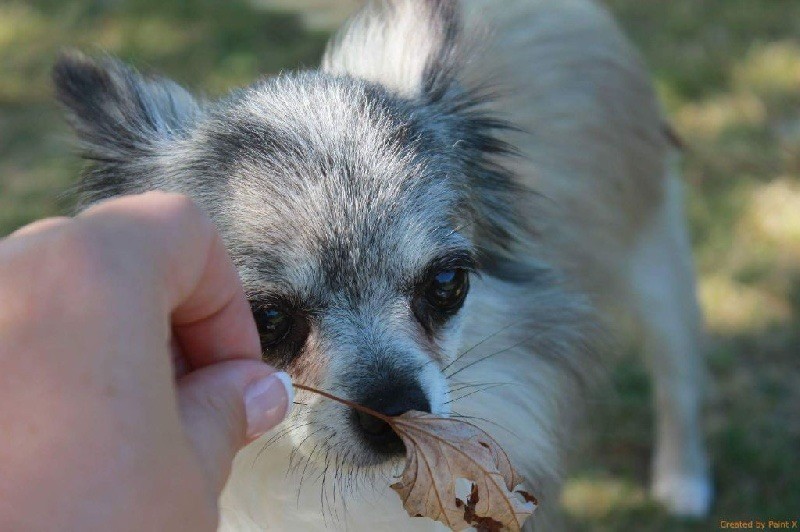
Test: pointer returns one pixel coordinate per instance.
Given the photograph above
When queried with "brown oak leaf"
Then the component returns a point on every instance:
(446, 455)
(439, 452)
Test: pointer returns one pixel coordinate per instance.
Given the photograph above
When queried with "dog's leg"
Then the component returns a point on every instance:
(667, 314)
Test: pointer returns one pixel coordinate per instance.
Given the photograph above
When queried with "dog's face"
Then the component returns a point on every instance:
(354, 202)
(354, 246)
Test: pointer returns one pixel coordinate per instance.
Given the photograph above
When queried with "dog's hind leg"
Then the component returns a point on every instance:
(664, 302)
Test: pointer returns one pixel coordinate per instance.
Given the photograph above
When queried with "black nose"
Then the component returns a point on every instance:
(391, 400)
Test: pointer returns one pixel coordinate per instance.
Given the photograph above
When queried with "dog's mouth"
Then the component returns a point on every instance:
(327, 431)
(348, 425)
(346, 440)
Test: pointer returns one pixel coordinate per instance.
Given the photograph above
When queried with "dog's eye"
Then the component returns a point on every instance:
(447, 289)
(283, 328)
(274, 325)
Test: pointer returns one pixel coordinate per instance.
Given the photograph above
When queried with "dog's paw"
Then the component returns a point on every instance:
(685, 496)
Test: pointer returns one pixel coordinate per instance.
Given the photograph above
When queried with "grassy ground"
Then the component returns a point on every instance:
(729, 75)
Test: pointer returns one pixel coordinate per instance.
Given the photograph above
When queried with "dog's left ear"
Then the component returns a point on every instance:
(411, 47)
(123, 120)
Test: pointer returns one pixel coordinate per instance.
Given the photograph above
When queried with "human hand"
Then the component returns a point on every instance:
(99, 429)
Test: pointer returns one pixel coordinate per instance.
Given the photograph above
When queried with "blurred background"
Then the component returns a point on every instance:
(728, 72)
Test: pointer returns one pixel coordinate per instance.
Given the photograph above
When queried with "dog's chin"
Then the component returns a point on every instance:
(347, 452)
(378, 461)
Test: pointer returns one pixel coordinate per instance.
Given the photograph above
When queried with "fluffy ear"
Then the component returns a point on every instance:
(416, 48)
(122, 120)
(409, 46)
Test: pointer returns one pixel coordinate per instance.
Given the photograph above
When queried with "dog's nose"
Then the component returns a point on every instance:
(391, 400)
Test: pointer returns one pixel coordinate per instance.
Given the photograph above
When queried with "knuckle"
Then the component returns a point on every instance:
(170, 204)
(179, 210)
(84, 263)
(40, 226)
(78, 248)
(177, 205)
(62, 273)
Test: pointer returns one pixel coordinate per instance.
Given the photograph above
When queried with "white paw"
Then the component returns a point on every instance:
(685, 496)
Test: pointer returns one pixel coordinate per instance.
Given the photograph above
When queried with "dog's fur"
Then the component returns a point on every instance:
(520, 140)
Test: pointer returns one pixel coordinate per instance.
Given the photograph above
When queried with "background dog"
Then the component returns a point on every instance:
(453, 202)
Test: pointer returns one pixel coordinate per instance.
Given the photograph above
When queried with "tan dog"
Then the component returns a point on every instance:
(443, 218)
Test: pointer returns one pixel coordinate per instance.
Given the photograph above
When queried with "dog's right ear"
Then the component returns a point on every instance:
(411, 47)
(122, 119)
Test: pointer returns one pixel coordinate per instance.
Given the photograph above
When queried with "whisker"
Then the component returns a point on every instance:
(464, 386)
(516, 344)
(281, 434)
(336, 478)
(285, 432)
(297, 448)
(481, 342)
(308, 461)
(345, 486)
(485, 389)
(323, 497)
(484, 420)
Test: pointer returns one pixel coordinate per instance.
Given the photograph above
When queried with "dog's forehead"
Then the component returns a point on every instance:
(329, 183)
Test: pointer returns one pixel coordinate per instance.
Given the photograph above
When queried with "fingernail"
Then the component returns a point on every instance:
(267, 402)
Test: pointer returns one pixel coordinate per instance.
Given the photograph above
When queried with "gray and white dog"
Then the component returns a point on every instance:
(461, 198)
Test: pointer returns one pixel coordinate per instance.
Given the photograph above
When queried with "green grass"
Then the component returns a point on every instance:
(728, 72)
(207, 45)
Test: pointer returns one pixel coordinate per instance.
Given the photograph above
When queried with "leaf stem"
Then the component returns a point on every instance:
(351, 404)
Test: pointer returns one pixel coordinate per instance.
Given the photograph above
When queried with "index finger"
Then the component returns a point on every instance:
(175, 250)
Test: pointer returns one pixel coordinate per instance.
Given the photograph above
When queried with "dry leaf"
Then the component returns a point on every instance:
(446, 456)
(439, 452)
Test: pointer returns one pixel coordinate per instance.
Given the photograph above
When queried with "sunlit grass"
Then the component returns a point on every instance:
(593, 498)
(728, 72)
(774, 215)
(770, 68)
(735, 307)
(717, 115)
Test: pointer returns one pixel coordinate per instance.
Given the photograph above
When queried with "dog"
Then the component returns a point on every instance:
(453, 214)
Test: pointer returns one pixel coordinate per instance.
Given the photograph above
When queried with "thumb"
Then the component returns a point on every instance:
(227, 405)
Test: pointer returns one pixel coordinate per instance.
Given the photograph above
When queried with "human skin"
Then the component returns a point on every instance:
(130, 370)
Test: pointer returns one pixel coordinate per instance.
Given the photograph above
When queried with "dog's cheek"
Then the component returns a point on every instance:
(434, 343)
(311, 366)
(449, 338)
(442, 347)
